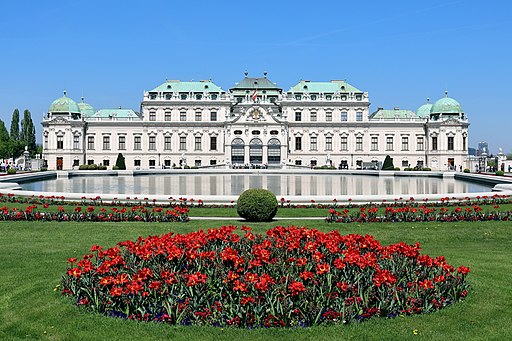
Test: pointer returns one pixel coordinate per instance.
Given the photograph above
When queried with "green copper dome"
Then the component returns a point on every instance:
(86, 109)
(424, 110)
(446, 105)
(64, 104)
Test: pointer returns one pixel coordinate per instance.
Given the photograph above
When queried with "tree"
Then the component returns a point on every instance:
(5, 142)
(28, 132)
(15, 125)
(120, 164)
(388, 163)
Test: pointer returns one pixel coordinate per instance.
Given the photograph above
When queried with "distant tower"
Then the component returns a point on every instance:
(483, 147)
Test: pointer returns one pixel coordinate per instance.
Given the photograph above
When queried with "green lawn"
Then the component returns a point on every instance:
(33, 258)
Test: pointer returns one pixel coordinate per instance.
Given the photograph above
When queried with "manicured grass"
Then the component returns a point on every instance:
(33, 258)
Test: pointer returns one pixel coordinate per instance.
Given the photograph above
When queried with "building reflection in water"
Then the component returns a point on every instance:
(281, 185)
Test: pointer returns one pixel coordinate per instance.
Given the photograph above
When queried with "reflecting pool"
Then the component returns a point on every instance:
(280, 184)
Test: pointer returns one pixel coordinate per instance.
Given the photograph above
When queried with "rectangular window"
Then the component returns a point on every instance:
(183, 143)
(213, 142)
(137, 143)
(152, 143)
(463, 142)
(328, 116)
(343, 116)
(122, 142)
(359, 143)
(76, 163)
(106, 142)
(46, 142)
(450, 142)
(76, 142)
(168, 115)
(106, 162)
(183, 116)
(90, 142)
(344, 143)
(213, 162)
(136, 163)
(328, 143)
(152, 163)
(60, 142)
(298, 116)
(197, 144)
(167, 142)
(389, 142)
(298, 142)
(359, 116)
(405, 143)
(197, 163)
(298, 162)
(434, 142)
(167, 163)
(213, 116)
(152, 116)
(313, 116)
(405, 163)
(420, 143)
(199, 116)
(375, 143)
(313, 143)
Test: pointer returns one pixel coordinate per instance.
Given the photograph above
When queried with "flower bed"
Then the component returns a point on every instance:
(90, 213)
(421, 213)
(293, 276)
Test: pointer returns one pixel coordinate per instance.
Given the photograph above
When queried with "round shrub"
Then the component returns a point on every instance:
(11, 170)
(500, 173)
(257, 204)
(93, 167)
(466, 170)
(83, 167)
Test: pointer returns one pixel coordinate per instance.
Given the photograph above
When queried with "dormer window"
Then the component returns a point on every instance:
(199, 96)
(313, 97)
(297, 97)
(328, 97)
(359, 97)
(183, 96)
(214, 96)
(168, 96)
(152, 96)
(237, 132)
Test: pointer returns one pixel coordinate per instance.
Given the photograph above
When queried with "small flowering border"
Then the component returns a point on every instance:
(418, 214)
(292, 276)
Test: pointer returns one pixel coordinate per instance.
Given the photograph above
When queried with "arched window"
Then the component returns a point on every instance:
(274, 151)
(237, 151)
(256, 151)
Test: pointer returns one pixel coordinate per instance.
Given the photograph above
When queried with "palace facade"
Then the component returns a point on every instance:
(255, 123)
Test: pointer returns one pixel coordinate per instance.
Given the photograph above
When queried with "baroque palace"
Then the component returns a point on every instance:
(255, 124)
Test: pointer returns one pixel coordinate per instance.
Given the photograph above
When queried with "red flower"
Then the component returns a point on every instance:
(463, 270)
(322, 268)
(296, 288)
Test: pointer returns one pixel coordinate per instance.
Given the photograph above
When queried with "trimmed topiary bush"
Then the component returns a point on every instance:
(388, 163)
(92, 167)
(466, 170)
(120, 163)
(500, 173)
(83, 167)
(257, 204)
(11, 170)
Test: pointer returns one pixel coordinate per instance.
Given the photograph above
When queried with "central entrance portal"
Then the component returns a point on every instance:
(256, 151)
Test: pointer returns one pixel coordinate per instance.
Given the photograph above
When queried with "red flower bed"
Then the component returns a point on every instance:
(293, 276)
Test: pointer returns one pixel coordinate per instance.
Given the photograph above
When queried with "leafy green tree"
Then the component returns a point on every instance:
(15, 125)
(388, 163)
(5, 142)
(120, 164)
(28, 132)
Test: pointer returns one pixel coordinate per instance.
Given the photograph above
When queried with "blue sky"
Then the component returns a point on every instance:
(401, 52)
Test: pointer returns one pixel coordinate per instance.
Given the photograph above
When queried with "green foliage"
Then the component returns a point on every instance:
(120, 163)
(83, 167)
(427, 169)
(5, 142)
(257, 204)
(15, 125)
(102, 167)
(11, 170)
(388, 163)
(324, 167)
(92, 167)
(500, 173)
(28, 132)
(466, 170)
